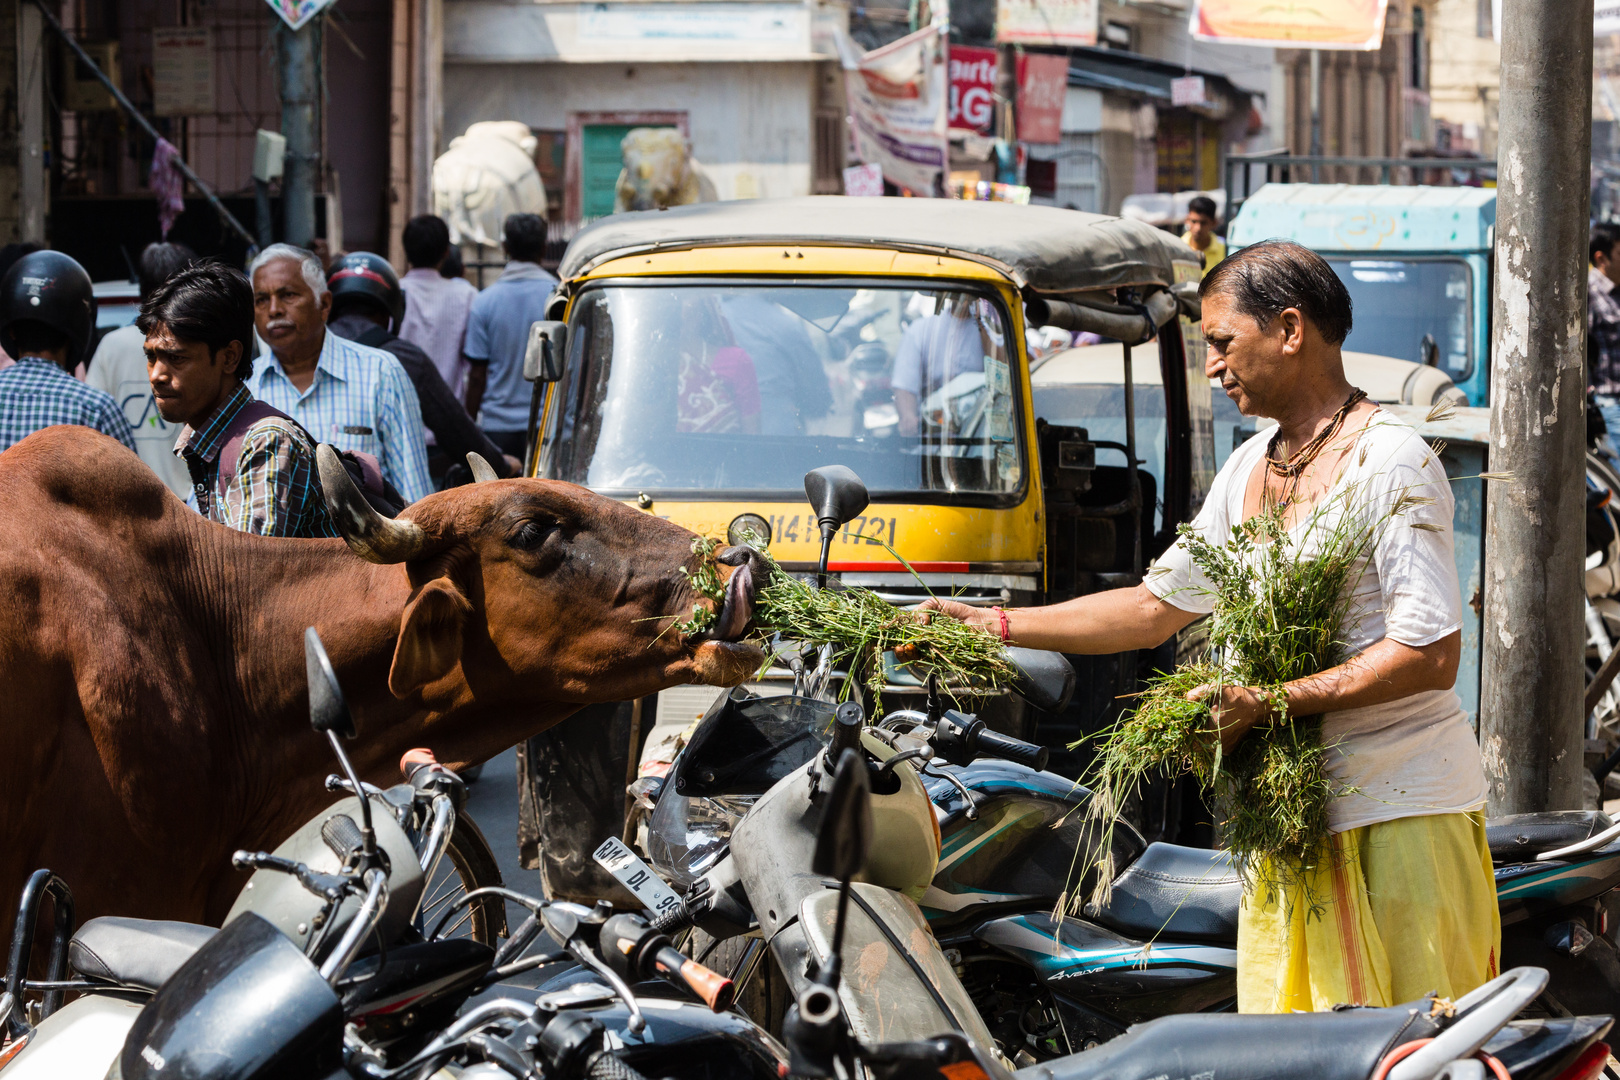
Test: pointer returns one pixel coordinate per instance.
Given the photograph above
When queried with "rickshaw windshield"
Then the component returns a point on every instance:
(739, 388)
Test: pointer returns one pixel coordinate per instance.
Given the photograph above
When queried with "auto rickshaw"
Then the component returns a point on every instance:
(706, 357)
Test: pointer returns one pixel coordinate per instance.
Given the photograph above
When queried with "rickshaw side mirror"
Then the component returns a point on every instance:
(543, 358)
(836, 494)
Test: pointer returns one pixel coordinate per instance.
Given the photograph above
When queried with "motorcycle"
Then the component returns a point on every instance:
(1011, 834)
(383, 874)
(870, 985)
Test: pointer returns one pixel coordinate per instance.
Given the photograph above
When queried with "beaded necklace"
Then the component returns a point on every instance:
(1295, 465)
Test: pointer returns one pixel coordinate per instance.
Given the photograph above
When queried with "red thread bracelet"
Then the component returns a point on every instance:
(1006, 634)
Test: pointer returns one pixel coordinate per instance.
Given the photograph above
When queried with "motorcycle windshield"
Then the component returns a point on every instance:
(695, 388)
(737, 753)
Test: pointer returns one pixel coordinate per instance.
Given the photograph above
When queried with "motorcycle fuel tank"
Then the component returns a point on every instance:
(247, 1005)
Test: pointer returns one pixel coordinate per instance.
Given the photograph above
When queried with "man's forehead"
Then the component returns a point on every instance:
(281, 271)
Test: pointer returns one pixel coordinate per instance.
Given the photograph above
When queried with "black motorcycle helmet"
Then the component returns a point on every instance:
(362, 276)
(50, 288)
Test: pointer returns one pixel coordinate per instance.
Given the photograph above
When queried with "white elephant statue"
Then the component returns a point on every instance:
(487, 174)
(659, 172)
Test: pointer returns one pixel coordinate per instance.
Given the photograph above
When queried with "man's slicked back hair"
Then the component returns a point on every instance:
(309, 264)
(426, 240)
(1265, 279)
(211, 303)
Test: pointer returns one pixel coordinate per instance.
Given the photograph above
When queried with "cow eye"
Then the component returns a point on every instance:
(531, 534)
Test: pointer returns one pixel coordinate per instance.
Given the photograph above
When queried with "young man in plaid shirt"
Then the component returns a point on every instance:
(252, 467)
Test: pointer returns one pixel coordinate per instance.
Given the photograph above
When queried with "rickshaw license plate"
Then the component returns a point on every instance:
(626, 866)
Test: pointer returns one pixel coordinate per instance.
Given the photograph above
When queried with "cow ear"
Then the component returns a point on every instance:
(429, 637)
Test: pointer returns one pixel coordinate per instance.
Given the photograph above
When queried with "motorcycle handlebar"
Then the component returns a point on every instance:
(604, 1066)
(995, 744)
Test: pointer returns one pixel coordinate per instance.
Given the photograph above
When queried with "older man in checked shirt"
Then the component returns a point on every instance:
(350, 395)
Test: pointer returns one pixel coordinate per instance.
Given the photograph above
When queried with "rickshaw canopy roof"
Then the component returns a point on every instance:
(1042, 248)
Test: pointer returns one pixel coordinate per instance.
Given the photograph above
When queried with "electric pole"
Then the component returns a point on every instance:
(1532, 725)
(298, 58)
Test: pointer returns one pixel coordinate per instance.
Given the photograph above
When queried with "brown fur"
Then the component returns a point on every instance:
(153, 716)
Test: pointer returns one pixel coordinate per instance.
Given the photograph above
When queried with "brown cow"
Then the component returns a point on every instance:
(153, 716)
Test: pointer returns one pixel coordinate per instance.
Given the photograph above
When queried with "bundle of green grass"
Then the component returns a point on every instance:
(1278, 616)
(859, 625)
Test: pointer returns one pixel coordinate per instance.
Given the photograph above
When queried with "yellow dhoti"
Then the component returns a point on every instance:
(1395, 910)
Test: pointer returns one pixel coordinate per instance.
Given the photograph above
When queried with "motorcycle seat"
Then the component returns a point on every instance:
(1342, 1045)
(139, 953)
(1175, 892)
(1521, 837)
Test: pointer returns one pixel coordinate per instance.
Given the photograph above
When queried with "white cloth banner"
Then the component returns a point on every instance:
(898, 97)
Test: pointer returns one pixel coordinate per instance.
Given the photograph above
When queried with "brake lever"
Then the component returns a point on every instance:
(329, 887)
(566, 922)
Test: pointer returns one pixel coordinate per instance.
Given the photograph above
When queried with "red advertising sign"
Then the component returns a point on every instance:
(973, 88)
(1043, 83)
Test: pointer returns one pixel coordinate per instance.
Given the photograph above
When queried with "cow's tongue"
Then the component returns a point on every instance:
(737, 607)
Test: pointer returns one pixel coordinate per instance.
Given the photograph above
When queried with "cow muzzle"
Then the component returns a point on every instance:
(737, 605)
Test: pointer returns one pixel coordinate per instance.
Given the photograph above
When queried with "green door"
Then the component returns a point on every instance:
(600, 164)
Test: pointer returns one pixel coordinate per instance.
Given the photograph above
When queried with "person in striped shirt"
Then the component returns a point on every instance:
(344, 393)
(252, 468)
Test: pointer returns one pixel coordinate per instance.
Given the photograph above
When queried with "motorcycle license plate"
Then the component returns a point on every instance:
(625, 865)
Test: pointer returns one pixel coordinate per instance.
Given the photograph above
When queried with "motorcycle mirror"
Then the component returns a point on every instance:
(837, 495)
(844, 839)
(328, 712)
(1044, 679)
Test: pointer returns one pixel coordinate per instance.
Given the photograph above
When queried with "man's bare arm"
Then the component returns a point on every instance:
(1101, 623)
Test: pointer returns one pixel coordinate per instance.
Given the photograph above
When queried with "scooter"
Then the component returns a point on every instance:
(352, 881)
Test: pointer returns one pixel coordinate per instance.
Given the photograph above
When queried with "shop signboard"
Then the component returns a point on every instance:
(183, 71)
(1046, 22)
(973, 89)
(1043, 83)
(295, 13)
(1346, 24)
(898, 98)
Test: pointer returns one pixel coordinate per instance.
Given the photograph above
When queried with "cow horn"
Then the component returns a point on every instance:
(481, 469)
(369, 535)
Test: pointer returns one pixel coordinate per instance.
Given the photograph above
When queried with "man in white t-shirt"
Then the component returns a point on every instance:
(119, 368)
(1405, 902)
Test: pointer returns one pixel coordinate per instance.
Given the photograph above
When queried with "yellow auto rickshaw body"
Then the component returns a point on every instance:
(957, 491)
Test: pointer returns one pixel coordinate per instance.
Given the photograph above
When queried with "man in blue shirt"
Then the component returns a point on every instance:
(344, 393)
(498, 335)
(46, 315)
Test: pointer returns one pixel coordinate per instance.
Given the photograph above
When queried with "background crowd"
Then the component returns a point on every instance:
(227, 381)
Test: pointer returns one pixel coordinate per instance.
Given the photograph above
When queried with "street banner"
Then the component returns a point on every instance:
(1043, 83)
(295, 13)
(973, 89)
(1344, 24)
(898, 97)
(864, 181)
(1046, 22)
